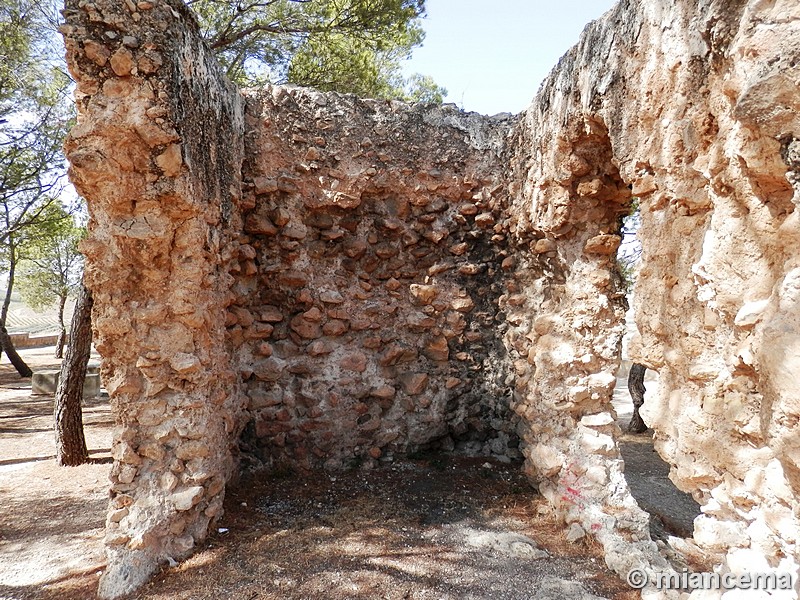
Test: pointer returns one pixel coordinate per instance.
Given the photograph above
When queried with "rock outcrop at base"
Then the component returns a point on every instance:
(289, 278)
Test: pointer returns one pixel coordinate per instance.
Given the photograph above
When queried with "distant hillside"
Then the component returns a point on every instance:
(22, 317)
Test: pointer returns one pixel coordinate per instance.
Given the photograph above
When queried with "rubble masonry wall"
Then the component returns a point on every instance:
(285, 277)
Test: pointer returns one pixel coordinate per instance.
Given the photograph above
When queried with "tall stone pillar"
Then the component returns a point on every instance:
(157, 153)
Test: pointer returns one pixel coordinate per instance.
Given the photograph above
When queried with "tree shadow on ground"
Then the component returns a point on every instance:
(52, 518)
(469, 528)
(65, 515)
(76, 584)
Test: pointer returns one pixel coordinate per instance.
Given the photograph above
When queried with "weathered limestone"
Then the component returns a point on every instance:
(157, 150)
(288, 277)
(352, 313)
(695, 108)
(719, 314)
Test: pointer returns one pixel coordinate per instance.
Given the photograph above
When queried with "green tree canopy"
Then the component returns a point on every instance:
(353, 46)
(51, 267)
(35, 114)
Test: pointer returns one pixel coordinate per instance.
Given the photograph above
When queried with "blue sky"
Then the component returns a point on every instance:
(492, 55)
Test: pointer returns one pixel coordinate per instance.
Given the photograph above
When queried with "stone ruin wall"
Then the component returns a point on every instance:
(284, 277)
(158, 131)
(372, 255)
(701, 103)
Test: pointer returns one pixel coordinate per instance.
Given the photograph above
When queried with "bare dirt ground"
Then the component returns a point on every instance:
(673, 511)
(51, 517)
(439, 527)
(433, 527)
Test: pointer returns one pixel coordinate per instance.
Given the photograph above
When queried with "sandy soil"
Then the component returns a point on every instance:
(52, 518)
(437, 527)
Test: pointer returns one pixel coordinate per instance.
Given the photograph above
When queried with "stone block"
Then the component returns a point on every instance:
(45, 383)
(414, 383)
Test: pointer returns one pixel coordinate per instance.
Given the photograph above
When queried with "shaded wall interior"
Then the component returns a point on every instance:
(372, 255)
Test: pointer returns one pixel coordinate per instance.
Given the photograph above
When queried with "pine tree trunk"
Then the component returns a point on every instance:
(5, 340)
(637, 390)
(8, 347)
(70, 441)
(62, 334)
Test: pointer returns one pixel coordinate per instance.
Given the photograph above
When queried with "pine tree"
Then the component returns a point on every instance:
(352, 46)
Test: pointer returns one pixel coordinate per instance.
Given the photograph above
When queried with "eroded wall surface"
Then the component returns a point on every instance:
(289, 278)
(157, 151)
(718, 308)
(372, 255)
(700, 106)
